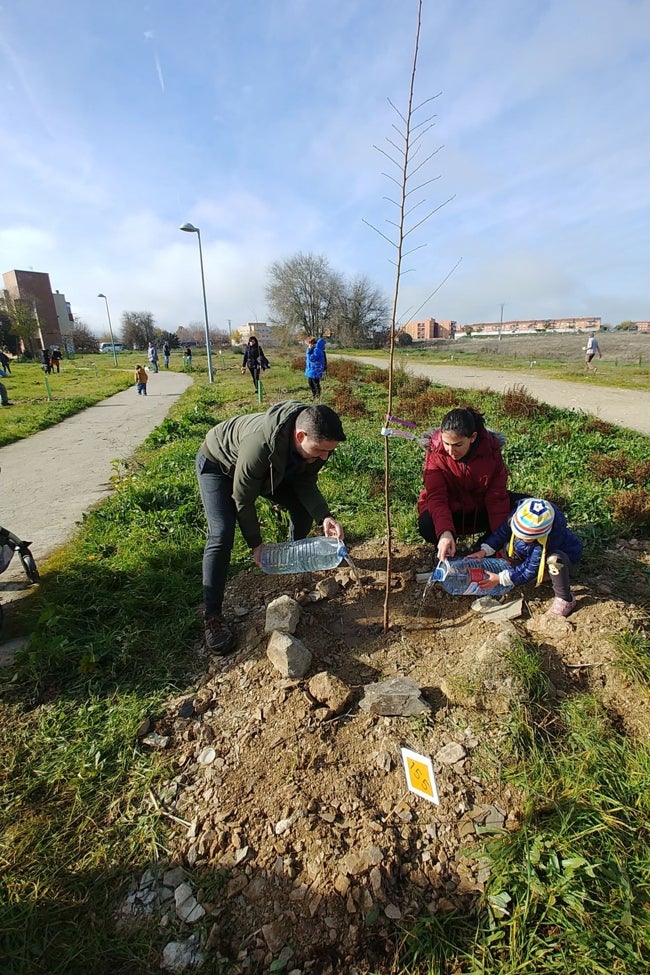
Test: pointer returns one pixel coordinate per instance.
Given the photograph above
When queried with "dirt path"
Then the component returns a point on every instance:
(48, 481)
(624, 407)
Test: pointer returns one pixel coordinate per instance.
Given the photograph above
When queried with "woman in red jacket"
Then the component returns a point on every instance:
(464, 482)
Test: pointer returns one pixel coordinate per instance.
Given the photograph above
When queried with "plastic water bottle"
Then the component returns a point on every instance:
(305, 555)
(461, 577)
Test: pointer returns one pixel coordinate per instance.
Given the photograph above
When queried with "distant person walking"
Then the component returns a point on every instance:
(167, 351)
(315, 365)
(188, 357)
(591, 349)
(255, 360)
(152, 356)
(5, 361)
(46, 359)
(55, 358)
(141, 376)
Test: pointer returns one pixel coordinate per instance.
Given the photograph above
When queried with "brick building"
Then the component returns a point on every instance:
(33, 287)
(429, 329)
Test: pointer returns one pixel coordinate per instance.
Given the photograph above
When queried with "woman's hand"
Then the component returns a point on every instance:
(477, 556)
(256, 556)
(243, 370)
(446, 546)
(332, 529)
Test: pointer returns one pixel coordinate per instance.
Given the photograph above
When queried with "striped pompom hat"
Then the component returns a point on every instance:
(532, 522)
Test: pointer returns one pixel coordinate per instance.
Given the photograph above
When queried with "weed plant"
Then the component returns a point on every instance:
(113, 633)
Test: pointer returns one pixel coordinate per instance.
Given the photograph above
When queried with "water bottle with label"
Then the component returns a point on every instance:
(461, 577)
(305, 555)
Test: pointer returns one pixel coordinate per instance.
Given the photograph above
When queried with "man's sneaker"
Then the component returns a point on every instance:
(218, 635)
(561, 607)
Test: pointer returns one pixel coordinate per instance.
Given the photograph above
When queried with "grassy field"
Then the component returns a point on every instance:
(39, 401)
(625, 362)
(113, 631)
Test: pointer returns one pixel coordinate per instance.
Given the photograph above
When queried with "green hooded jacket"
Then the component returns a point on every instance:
(254, 449)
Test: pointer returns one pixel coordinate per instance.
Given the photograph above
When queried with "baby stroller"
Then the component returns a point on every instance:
(9, 544)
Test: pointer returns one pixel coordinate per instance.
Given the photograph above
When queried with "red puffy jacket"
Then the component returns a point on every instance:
(464, 487)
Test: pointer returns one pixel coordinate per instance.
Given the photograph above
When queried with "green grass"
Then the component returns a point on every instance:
(554, 356)
(39, 401)
(569, 892)
(113, 634)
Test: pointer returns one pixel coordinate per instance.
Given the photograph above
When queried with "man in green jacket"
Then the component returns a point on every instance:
(276, 455)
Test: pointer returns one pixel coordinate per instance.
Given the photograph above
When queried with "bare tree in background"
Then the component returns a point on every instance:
(303, 293)
(138, 329)
(361, 311)
(408, 174)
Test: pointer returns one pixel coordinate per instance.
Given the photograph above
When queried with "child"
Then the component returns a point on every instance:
(538, 536)
(141, 377)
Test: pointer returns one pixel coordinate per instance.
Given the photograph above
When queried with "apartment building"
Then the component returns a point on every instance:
(33, 287)
(262, 332)
(429, 329)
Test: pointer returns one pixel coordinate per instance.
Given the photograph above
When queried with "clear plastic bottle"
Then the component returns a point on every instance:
(460, 577)
(305, 555)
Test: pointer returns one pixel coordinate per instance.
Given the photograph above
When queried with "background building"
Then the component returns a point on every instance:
(262, 332)
(65, 318)
(430, 329)
(33, 288)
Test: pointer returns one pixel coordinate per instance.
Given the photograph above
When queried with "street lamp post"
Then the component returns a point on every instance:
(110, 326)
(191, 229)
(501, 322)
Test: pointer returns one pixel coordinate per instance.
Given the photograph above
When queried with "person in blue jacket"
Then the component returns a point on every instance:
(537, 538)
(315, 365)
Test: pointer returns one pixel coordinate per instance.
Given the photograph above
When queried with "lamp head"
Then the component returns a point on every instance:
(190, 228)
(100, 295)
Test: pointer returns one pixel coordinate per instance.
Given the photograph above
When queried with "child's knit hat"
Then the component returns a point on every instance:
(532, 522)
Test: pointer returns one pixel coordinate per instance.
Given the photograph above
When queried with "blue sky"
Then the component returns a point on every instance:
(256, 122)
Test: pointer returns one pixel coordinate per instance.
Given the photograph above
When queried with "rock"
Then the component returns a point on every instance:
(393, 912)
(282, 614)
(400, 696)
(275, 935)
(331, 691)
(551, 625)
(188, 908)
(288, 655)
(154, 740)
(495, 612)
(177, 956)
(450, 754)
(207, 756)
(327, 587)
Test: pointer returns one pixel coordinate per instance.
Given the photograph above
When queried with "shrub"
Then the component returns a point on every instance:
(347, 404)
(594, 425)
(631, 508)
(344, 370)
(620, 465)
(517, 401)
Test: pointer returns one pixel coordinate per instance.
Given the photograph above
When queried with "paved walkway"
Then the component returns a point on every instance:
(624, 407)
(49, 480)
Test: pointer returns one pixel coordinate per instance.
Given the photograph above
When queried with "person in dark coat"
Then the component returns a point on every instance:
(277, 455)
(254, 360)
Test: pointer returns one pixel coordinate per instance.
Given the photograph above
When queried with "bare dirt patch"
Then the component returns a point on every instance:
(310, 851)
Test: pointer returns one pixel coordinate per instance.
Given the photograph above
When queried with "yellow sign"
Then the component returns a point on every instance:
(419, 775)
